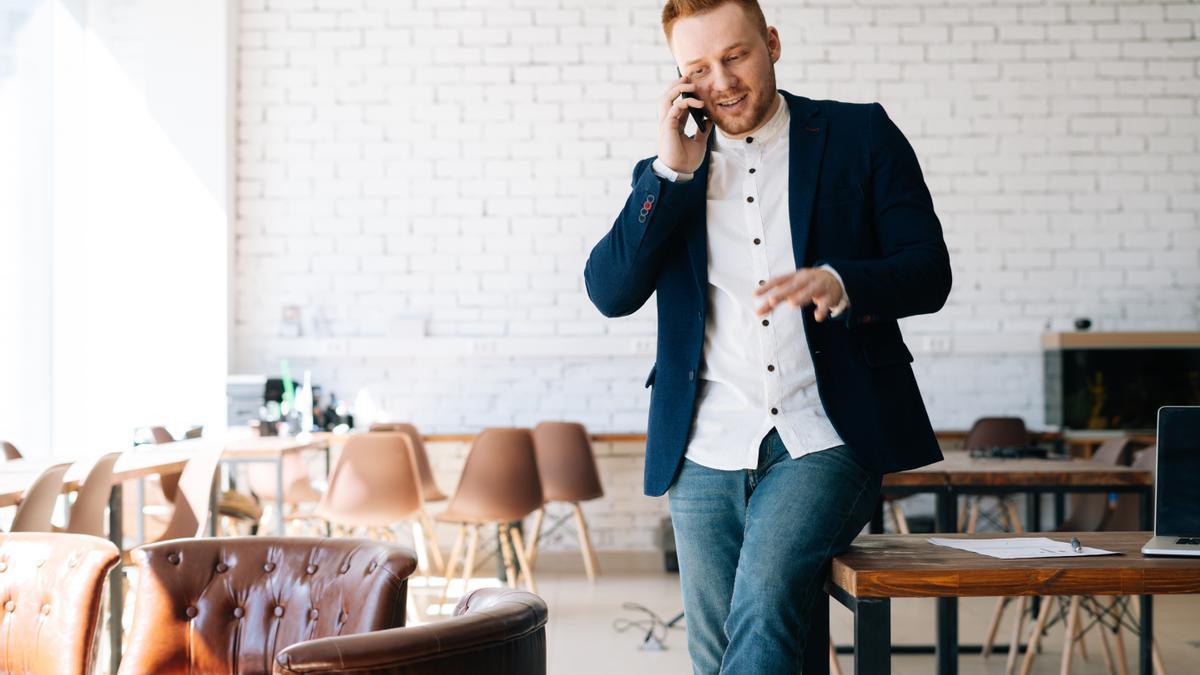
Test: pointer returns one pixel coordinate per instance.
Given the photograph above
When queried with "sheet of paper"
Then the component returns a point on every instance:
(1019, 547)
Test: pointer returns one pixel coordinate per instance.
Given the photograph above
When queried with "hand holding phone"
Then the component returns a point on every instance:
(697, 113)
(680, 152)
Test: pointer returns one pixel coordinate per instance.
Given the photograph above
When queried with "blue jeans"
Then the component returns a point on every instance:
(754, 548)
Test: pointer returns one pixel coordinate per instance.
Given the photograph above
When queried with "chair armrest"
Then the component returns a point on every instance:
(486, 622)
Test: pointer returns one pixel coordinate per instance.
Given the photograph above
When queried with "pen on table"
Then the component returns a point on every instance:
(1076, 545)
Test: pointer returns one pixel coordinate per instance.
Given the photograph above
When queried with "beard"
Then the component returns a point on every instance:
(752, 113)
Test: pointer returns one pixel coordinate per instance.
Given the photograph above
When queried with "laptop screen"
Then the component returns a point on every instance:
(1176, 497)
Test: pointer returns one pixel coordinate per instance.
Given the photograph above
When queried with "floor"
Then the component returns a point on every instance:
(590, 630)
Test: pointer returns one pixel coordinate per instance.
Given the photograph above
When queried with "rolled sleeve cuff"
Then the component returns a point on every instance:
(661, 170)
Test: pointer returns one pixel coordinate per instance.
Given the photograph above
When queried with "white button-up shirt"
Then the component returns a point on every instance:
(757, 372)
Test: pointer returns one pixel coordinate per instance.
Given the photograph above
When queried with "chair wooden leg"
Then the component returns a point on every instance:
(1105, 647)
(993, 626)
(585, 543)
(535, 535)
(434, 550)
(898, 517)
(455, 551)
(1069, 636)
(510, 571)
(1035, 638)
(1014, 643)
(1081, 635)
(469, 565)
(1014, 518)
(1118, 641)
(526, 570)
(835, 668)
(973, 516)
(1156, 659)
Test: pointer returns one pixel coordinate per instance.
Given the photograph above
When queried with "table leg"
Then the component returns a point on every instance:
(816, 653)
(876, 525)
(116, 586)
(947, 608)
(1033, 515)
(872, 636)
(279, 526)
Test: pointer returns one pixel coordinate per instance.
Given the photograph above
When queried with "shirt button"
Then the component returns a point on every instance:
(774, 411)
(750, 199)
(752, 170)
(757, 241)
(770, 369)
(749, 139)
(691, 375)
(766, 322)
(762, 282)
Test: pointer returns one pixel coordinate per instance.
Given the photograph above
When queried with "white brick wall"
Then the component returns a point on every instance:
(426, 178)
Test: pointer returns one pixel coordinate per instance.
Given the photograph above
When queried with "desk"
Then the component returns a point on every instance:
(959, 474)
(878, 568)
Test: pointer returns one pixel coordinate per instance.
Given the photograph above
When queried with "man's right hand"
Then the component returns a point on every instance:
(679, 152)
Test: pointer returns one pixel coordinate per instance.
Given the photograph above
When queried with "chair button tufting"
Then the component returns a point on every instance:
(238, 612)
(344, 568)
(312, 614)
(3, 567)
(269, 567)
(45, 609)
(371, 567)
(40, 563)
(173, 558)
(191, 612)
(222, 568)
(311, 569)
(278, 610)
(10, 606)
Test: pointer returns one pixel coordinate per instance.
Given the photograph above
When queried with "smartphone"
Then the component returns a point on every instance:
(697, 113)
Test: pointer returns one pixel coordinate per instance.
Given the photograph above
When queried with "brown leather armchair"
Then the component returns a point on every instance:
(498, 631)
(229, 605)
(50, 590)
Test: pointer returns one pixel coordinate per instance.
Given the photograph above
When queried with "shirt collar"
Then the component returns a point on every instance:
(765, 134)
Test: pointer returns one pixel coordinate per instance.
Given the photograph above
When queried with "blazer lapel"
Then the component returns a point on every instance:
(697, 236)
(806, 142)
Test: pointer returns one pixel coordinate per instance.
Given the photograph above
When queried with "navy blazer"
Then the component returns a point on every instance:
(858, 202)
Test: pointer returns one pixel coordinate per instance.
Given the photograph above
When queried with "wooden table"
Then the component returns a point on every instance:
(878, 568)
(960, 474)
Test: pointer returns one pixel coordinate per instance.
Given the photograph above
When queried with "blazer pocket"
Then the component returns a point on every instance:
(887, 354)
(650, 377)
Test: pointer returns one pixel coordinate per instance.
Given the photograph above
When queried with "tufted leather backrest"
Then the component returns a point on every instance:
(229, 605)
(50, 590)
(498, 631)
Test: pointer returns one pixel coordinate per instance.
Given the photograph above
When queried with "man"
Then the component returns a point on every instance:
(783, 247)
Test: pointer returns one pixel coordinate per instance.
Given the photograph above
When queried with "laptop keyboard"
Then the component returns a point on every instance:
(1188, 541)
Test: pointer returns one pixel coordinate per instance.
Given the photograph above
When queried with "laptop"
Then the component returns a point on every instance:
(1176, 500)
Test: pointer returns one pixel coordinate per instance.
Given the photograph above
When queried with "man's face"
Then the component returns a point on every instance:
(725, 55)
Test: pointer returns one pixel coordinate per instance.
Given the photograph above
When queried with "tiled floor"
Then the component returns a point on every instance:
(583, 636)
